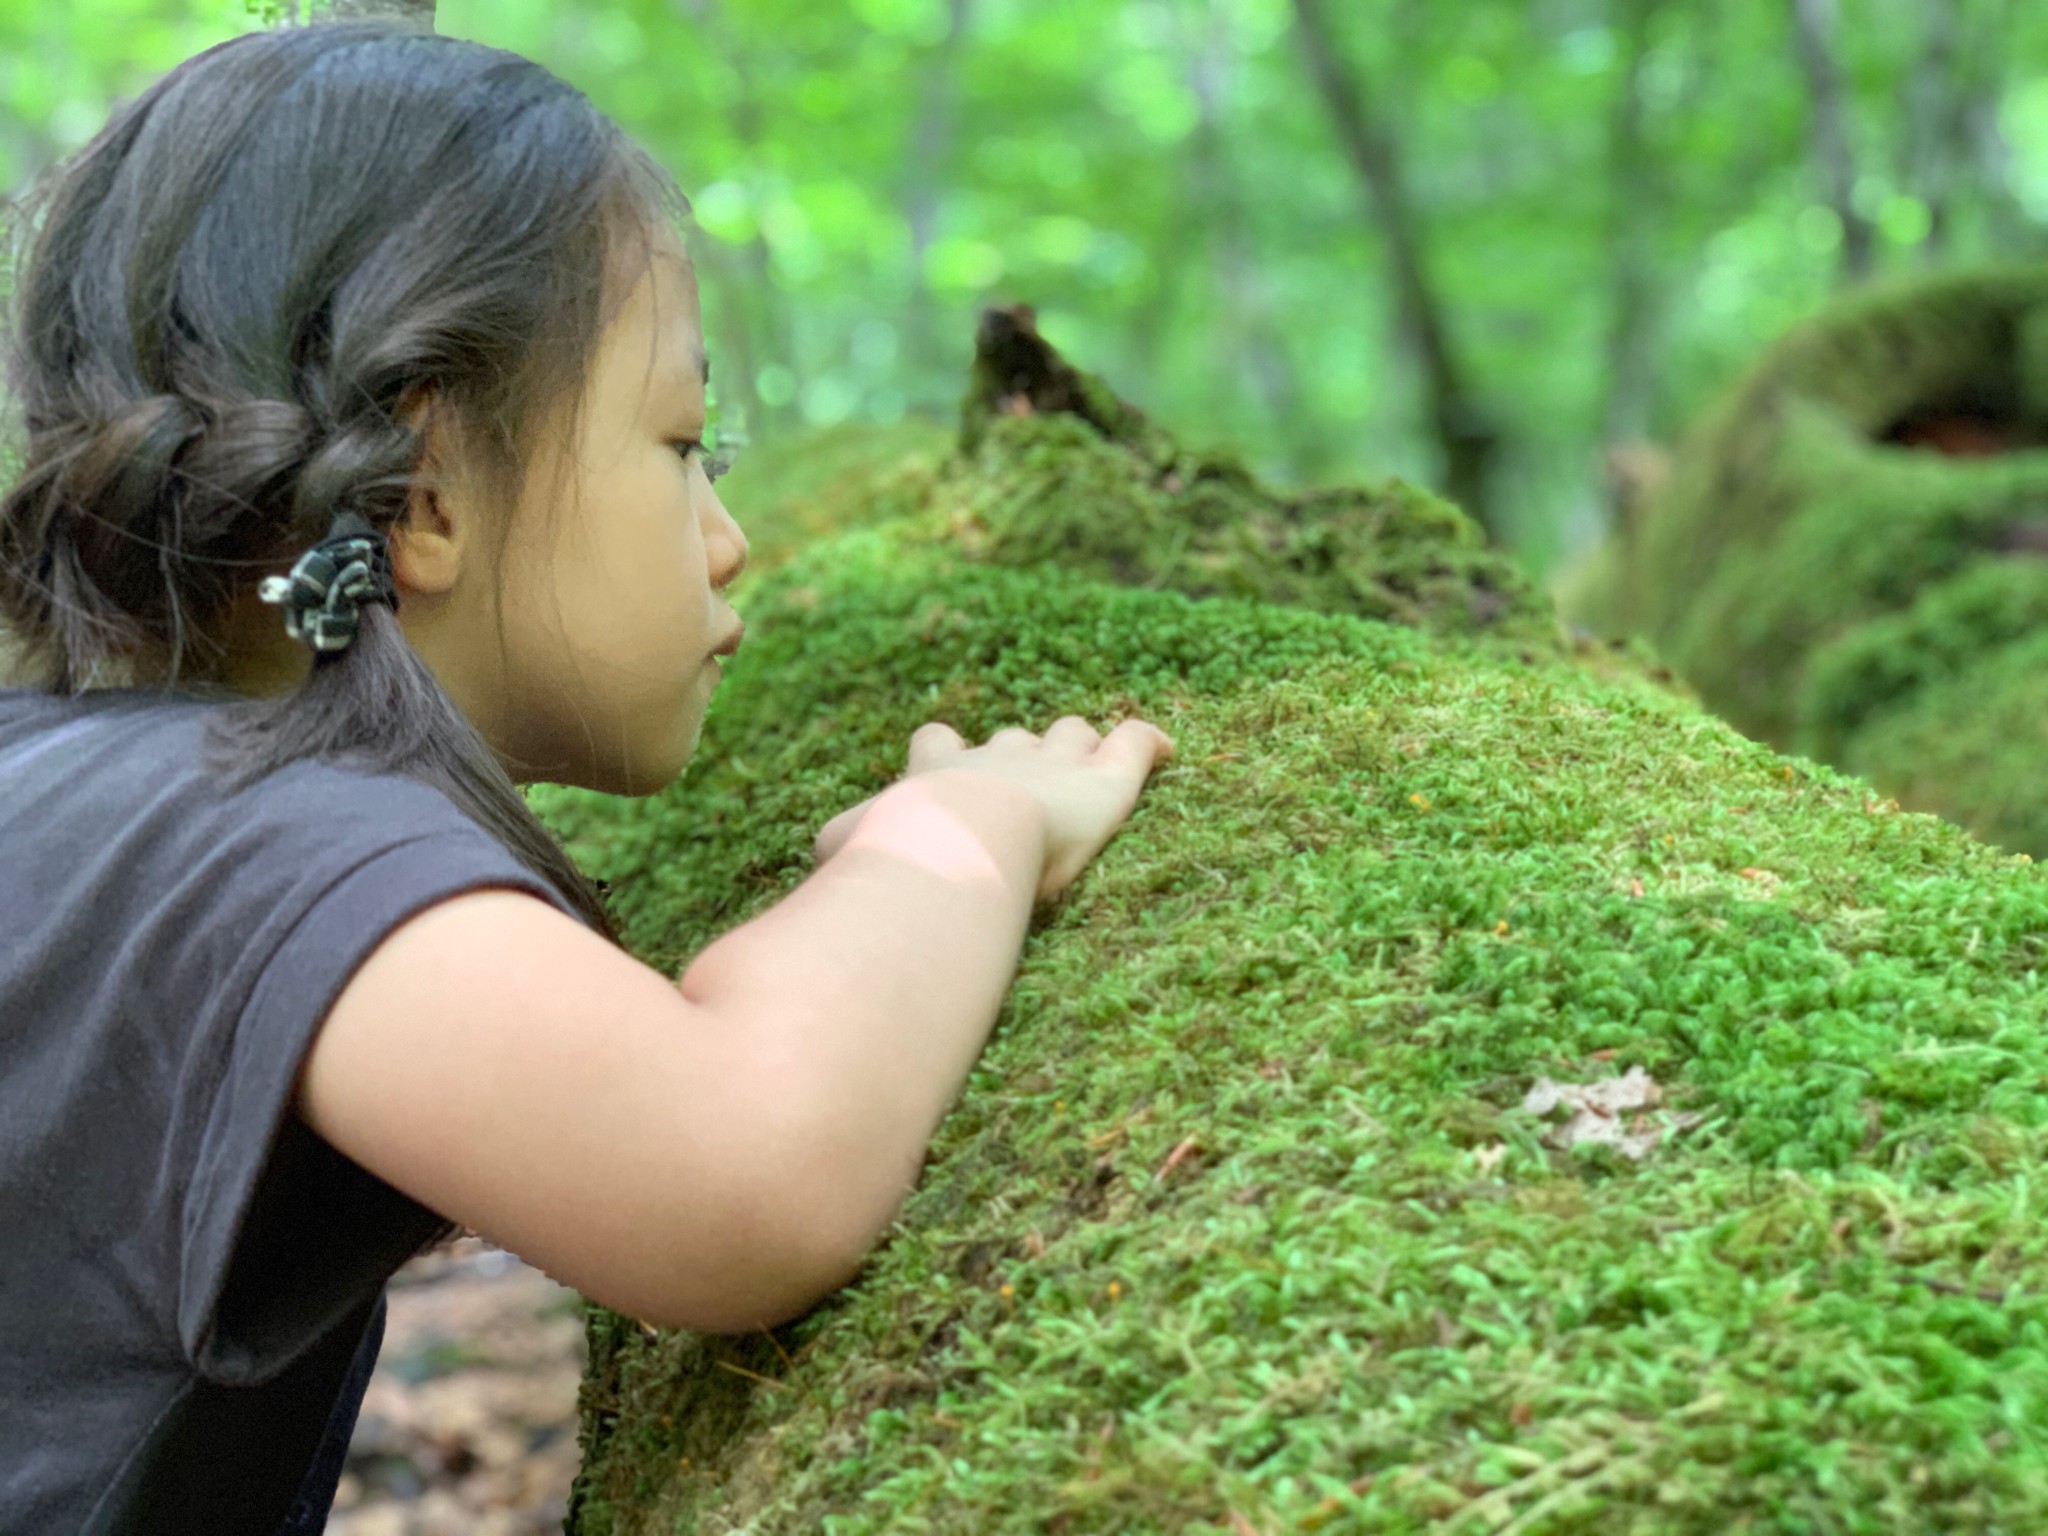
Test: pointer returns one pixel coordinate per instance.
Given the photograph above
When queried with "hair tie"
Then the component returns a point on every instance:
(323, 594)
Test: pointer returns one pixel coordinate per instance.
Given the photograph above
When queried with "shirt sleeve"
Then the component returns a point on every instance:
(283, 1235)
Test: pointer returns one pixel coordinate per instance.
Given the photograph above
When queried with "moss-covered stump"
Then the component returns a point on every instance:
(1848, 558)
(1239, 1224)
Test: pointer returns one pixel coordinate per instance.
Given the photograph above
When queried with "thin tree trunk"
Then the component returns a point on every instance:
(1633, 213)
(419, 13)
(1985, 149)
(1938, 124)
(930, 148)
(2010, 229)
(1814, 26)
(1246, 330)
(755, 325)
(1465, 435)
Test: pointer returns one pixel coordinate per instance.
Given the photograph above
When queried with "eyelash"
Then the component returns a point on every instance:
(713, 466)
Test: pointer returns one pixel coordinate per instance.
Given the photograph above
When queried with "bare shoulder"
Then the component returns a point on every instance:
(516, 1072)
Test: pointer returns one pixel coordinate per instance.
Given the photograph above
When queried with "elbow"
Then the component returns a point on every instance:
(839, 1211)
(771, 1276)
(802, 1227)
(780, 1282)
(838, 1185)
(817, 1256)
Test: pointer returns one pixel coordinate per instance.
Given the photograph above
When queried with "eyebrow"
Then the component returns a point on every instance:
(680, 380)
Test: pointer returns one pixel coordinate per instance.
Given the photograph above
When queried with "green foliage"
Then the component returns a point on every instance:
(1160, 180)
(1238, 1218)
(1853, 598)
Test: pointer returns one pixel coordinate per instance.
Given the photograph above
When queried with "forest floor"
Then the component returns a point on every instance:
(468, 1427)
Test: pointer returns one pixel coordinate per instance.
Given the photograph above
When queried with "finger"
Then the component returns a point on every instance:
(932, 741)
(1013, 736)
(1138, 745)
(837, 831)
(1071, 733)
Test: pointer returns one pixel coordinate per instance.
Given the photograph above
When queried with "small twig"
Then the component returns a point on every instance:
(770, 1332)
(1177, 1156)
(741, 1370)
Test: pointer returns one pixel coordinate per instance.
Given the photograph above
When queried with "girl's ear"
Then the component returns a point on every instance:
(428, 545)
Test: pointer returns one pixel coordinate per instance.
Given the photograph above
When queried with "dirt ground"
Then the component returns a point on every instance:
(468, 1427)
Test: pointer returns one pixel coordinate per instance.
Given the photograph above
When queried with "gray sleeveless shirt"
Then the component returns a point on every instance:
(187, 1272)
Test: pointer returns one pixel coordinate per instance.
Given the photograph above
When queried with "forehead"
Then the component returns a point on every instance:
(661, 328)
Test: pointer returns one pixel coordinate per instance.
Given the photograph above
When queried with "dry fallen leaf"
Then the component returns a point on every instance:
(1620, 1112)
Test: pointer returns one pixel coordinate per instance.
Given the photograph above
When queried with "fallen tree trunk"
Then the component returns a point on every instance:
(1846, 557)
(1247, 1220)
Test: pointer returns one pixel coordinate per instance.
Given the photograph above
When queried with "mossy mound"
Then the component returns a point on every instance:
(1239, 1223)
(1054, 469)
(1050, 467)
(1837, 511)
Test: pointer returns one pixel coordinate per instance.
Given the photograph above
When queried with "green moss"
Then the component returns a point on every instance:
(1238, 1219)
(1384, 886)
(1868, 362)
(1052, 490)
(1971, 741)
(1989, 605)
(787, 496)
(1055, 469)
(1867, 531)
(1799, 557)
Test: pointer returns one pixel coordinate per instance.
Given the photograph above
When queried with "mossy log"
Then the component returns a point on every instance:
(1240, 1223)
(1847, 559)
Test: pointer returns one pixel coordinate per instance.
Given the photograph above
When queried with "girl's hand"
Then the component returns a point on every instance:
(1087, 783)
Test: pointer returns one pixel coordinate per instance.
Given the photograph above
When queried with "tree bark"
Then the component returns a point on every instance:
(418, 13)
(1465, 434)
(1939, 123)
(2007, 225)
(1634, 211)
(1248, 335)
(1814, 27)
(931, 147)
(755, 325)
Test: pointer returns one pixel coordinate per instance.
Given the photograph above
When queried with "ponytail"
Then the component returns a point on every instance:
(375, 705)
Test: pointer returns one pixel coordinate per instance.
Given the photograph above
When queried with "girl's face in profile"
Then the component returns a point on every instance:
(613, 567)
(611, 601)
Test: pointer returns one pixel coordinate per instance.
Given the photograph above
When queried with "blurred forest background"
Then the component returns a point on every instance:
(1490, 245)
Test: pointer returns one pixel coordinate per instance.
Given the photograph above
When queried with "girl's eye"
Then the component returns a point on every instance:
(714, 465)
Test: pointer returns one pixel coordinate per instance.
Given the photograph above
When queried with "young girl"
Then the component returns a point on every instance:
(362, 393)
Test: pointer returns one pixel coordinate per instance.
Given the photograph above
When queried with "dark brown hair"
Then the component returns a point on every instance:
(227, 298)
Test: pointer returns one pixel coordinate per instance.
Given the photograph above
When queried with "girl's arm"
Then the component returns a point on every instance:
(717, 1154)
(870, 990)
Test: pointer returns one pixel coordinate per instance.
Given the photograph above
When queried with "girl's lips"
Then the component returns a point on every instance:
(731, 642)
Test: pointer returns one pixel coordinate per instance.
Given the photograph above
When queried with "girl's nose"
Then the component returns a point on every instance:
(728, 546)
